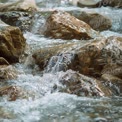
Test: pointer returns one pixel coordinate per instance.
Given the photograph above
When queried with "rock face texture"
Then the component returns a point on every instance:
(97, 56)
(43, 56)
(96, 21)
(19, 5)
(12, 43)
(23, 20)
(81, 85)
(13, 93)
(63, 25)
(7, 72)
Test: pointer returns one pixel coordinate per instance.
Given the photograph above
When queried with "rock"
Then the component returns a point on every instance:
(6, 114)
(81, 85)
(112, 3)
(19, 5)
(92, 58)
(7, 72)
(12, 43)
(113, 82)
(42, 56)
(12, 92)
(23, 20)
(88, 3)
(63, 25)
(96, 21)
(3, 61)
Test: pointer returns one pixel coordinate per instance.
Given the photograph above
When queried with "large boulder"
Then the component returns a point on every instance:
(95, 57)
(63, 25)
(12, 42)
(23, 20)
(18, 5)
(96, 21)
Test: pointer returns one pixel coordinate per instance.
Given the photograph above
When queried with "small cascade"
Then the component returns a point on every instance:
(59, 63)
(38, 23)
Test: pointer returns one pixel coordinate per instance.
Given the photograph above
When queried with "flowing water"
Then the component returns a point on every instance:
(45, 104)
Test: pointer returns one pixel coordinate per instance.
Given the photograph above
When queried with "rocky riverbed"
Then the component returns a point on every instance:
(60, 61)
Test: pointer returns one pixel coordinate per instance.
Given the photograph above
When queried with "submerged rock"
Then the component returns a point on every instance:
(19, 5)
(63, 25)
(81, 85)
(12, 42)
(7, 72)
(6, 114)
(96, 21)
(23, 20)
(12, 92)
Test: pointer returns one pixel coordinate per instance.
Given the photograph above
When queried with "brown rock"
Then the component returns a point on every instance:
(96, 21)
(7, 72)
(93, 58)
(12, 92)
(63, 25)
(12, 43)
(81, 85)
(19, 5)
(114, 82)
(43, 55)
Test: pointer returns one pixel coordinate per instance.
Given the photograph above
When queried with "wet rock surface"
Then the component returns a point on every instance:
(19, 5)
(82, 85)
(100, 58)
(43, 55)
(94, 57)
(12, 43)
(7, 72)
(63, 25)
(23, 20)
(12, 92)
(96, 21)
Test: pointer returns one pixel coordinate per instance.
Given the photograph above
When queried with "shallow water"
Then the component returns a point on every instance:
(47, 105)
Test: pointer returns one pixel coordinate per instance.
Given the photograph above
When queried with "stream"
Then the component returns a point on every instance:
(54, 106)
